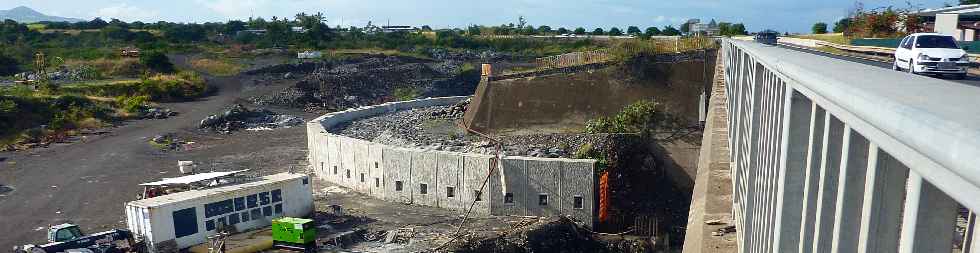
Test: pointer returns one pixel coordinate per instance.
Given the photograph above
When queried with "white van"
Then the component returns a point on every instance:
(931, 53)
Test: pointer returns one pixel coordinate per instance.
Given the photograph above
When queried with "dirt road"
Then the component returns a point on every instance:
(88, 182)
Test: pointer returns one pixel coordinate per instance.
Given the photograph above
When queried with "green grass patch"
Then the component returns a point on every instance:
(216, 67)
(837, 38)
(406, 93)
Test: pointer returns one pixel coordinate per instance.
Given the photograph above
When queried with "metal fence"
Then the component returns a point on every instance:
(833, 156)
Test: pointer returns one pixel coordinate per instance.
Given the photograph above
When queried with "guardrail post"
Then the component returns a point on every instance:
(850, 192)
(811, 186)
(796, 133)
(881, 214)
(929, 218)
(827, 193)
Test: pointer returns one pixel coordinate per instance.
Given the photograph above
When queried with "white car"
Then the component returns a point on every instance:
(931, 53)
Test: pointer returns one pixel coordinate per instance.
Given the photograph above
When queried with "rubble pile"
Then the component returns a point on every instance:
(63, 74)
(540, 235)
(436, 128)
(465, 55)
(239, 117)
(372, 80)
(156, 113)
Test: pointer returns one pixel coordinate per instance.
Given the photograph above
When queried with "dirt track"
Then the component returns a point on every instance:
(88, 182)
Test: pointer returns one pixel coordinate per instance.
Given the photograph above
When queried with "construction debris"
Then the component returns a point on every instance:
(239, 117)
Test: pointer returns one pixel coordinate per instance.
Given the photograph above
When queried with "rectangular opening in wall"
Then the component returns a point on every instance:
(348, 173)
(423, 189)
(306, 180)
(509, 198)
(398, 186)
(185, 222)
(477, 195)
(375, 165)
(450, 192)
(362, 177)
(377, 182)
(543, 199)
(335, 170)
(579, 202)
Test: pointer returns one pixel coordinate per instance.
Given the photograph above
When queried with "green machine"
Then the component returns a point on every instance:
(294, 233)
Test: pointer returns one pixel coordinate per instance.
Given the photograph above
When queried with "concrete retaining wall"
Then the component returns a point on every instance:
(453, 181)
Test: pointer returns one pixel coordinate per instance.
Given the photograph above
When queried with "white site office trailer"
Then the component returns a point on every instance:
(176, 221)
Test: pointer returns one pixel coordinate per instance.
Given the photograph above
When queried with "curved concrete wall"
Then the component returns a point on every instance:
(450, 180)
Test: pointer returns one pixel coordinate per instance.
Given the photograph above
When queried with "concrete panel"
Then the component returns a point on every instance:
(543, 182)
(333, 159)
(348, 167)
(475, 169)
(578, 180)
(514, 177)
(360, 175)
(397, 171)
(424, 175)
(376, 164)
(450, 175)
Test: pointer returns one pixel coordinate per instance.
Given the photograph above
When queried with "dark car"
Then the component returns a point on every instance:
(767, 37)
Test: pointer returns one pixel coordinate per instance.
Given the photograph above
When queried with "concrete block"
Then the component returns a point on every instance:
(543, 184)
(333, 159)
(578, 181)
(348, 164)
(514, 179)
(423, 176)
(475, 169)
(397, 171)
(376, 167)
(450, 178)
(361, 157)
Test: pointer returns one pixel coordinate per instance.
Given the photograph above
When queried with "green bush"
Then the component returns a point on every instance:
(639, 117)
(405, 93)
(157, 61)
(131, 103)
(8, 65)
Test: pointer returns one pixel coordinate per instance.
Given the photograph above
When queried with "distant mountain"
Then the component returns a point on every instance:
(27, 15)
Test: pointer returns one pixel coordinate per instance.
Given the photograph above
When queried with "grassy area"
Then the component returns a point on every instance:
(88, 105)
(216, 67)
(837, 38)
(36, 27)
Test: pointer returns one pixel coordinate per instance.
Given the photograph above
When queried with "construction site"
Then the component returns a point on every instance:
(449, 153)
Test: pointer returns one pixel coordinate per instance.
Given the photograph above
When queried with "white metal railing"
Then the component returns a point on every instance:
(834, 156)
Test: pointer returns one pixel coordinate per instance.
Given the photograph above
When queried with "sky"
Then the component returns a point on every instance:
(780, 15)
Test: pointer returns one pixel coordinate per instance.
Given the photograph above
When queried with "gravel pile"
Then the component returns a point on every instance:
(239, 117)
(370, 80)
(435, 128)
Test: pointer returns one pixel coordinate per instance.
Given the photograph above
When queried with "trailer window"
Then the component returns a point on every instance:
(579, 202)
(423, 189)
(264, 198)
(267, 211)
(477, 195)
(240, 204)
(398, 185)
(245, 216)
(450, 192)
(253, 201)
(543, 199)
(256, 214)
(218, 208)
(509, 198)
(185, 222)
(278, 209)
(209, 225)
(276, 195)
(233, 219)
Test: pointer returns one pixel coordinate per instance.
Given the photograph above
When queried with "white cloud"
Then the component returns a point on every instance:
(235, 8)
(127, 13)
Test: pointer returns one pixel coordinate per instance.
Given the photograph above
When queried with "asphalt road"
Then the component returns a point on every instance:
(971, 79)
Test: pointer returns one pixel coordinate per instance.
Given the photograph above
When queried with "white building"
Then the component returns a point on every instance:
(961, 22)
(180, 220)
